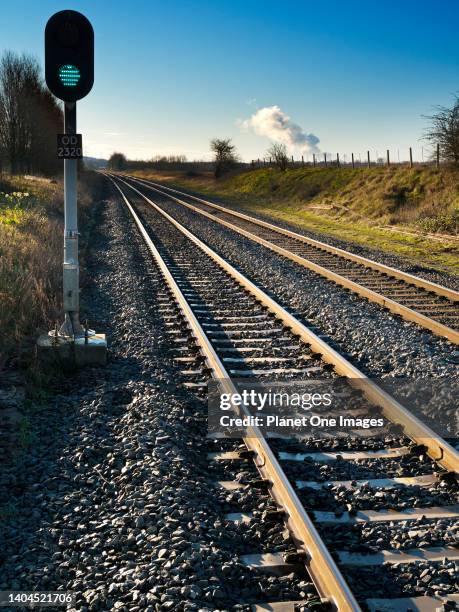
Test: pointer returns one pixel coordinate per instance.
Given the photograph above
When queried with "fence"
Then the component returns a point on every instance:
(355, 161)
(366, 159)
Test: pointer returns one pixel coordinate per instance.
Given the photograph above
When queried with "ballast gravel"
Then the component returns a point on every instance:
(362, 469)
(395, 261)
(338, 498)
(402, 535)
(406, 580)
(379, 341)
(115, 500)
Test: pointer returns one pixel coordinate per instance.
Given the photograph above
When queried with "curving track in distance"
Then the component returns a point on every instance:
(239, 331)
(428, 304)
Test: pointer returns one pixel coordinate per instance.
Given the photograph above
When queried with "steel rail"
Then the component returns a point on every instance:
(323, 570)
(407, 313)
(438, 449)
(370, 263)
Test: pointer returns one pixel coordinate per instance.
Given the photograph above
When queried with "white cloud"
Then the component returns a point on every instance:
(273, 123)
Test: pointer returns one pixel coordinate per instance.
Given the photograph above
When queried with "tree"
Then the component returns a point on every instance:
(225, 155)
(117, 161)
(30, 117)
(278, 153)
(444, 131)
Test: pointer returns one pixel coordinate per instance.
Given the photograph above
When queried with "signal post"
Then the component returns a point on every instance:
(69, 74)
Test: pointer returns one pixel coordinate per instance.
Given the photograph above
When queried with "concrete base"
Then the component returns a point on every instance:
(80, 352)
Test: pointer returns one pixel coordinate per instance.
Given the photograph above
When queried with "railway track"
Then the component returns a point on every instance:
(321, 488)
(428, 304)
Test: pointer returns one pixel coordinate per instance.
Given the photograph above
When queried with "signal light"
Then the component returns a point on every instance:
(69, 55)
(69, 75)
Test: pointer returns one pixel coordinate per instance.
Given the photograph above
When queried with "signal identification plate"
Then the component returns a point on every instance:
(69, 146)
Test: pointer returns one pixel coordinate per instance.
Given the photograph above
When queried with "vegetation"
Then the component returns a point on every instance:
(117, 161)
(444, 132)
(389, 208)
(30, 118)
(278, 154)
(31, 243)
(225, 155)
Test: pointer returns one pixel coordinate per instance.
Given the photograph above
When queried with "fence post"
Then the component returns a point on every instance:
(353, 163)
(411, 157)
(368, 158)
(302, 160)
(325, 159)
(337, 160)
(388, 158)
(438, 154)
(314, 160)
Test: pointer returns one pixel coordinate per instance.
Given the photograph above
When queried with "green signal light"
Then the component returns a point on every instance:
(69, 75)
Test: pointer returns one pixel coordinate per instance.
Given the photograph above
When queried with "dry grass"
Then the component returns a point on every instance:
(31, 230)
(364, 205)
(399, 195)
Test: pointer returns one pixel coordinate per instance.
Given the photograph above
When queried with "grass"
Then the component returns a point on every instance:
(392, 209)
(31, 237)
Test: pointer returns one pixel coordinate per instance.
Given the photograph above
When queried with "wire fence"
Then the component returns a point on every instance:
(368, 159)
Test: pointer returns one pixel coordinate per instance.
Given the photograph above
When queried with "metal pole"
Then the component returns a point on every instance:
(314, 160)
(325, 158)
(368, 158)
(388, 158)
(411, 157)
(71, 326)
(353, 163)
(337, 160)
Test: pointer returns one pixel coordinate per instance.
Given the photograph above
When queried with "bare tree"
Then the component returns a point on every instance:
(225, 155)
(278, 153)
(168, 161)
(19, 80)
(444, 131)
(117, 161)
(30, 117)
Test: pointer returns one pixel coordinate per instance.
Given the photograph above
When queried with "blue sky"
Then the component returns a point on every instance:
(171, 75)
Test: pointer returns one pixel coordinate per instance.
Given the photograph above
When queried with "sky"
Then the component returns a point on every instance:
(172, 74)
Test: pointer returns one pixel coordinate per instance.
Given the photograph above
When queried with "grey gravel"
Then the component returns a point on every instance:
(402, 535)
(395, 261)
(115, 500)
(406, 580)
(380, 343)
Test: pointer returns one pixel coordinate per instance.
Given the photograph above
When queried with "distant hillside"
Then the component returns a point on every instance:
(95, 163)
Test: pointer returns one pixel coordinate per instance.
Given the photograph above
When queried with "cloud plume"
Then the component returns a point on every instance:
(273, 123)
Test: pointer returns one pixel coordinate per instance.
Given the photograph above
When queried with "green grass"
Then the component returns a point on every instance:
(31, 252)
(29, 262)
(369, 206)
